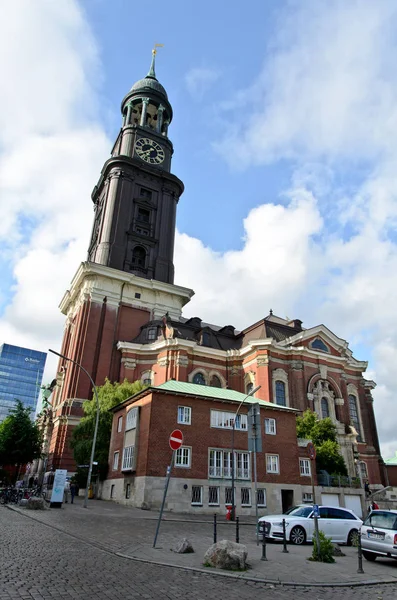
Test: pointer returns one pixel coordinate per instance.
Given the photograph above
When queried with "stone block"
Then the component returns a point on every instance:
(183, 547)
(226, 555)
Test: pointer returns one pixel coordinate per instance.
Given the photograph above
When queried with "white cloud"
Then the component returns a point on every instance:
(199, 81)
(52, 148)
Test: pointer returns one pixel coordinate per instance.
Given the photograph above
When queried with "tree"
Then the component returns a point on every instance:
(322, 432)
(109, 395)
(20, 438)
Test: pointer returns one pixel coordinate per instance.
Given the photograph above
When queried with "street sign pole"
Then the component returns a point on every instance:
(167, 481)
(175, 441)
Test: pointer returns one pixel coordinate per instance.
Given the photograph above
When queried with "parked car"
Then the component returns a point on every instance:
(379, 534)
(339, 524)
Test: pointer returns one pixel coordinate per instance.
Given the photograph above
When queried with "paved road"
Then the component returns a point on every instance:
(37, 562)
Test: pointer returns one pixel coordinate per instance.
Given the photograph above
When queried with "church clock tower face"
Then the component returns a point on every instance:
(149, 151)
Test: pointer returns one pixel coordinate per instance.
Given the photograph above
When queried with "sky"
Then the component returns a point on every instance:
(285, 135)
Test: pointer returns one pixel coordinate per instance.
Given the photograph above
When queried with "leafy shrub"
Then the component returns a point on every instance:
(326, 549)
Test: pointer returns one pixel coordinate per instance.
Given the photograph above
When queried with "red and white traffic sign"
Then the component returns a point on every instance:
(176, 439)
(311, 450)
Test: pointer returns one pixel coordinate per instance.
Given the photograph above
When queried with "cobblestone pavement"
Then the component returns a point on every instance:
(38, 562)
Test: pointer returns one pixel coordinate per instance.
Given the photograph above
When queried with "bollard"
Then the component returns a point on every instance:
(263, 557)
(237, 530)
(360, 555)
(214, 528)
(284, 538)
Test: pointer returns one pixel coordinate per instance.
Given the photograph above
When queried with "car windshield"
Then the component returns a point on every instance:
(299, 511)
(384, 520)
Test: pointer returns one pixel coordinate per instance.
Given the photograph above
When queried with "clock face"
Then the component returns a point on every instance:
(149, 151)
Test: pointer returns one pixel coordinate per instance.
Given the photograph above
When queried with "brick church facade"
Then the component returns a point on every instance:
(124, 312)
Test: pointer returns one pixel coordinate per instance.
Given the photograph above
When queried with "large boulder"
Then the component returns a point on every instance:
(183, 547)
(226, 555)
(35, 503)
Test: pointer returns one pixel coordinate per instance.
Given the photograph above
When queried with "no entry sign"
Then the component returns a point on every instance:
(176, 439)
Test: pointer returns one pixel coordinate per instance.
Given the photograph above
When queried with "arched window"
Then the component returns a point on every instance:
(139, 257)
(280, 393)
(355, 421)
(199, 379)
(215, 381)
(249, 388)
(324, 408)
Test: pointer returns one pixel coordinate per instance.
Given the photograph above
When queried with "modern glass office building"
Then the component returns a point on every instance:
(21, 374)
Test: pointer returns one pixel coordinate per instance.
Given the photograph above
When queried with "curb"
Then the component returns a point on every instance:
(208, 571)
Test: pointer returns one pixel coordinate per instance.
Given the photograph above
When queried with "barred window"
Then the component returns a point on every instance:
(213, 496)
(245, 496)
(184, 415)
(116, 461)
(261, 497)
(270, 426)
(128, 456)
(224, 420)
(183, 457)
(197, 495)
(228, 495)
(272, 463)
(304, 467)
(131, 418)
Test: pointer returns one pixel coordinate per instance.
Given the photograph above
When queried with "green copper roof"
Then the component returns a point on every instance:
(215, 393)
(391, 461)
(147, 85)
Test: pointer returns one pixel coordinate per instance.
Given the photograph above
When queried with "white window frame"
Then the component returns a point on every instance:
(131, 419)
(263, 492)
(305, 467)
(128, 458)
(213, 487)
(220, 464)
(270, 426)
(221, 419)
(180, 454)
(120, 424)
(307, 497)
(116, 458)
(247, 491)
(184, 415)
(273, 466)
(200, 501)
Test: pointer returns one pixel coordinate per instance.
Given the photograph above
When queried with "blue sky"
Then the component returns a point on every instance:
(285, 129)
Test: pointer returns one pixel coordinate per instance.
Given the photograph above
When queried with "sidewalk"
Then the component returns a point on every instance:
(129, 532)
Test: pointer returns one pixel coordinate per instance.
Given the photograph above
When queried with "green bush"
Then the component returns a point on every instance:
(326, 549)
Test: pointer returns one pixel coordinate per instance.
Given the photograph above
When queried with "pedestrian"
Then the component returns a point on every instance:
(66, 491)
(366, 488)
(72, 491)
(374, 506)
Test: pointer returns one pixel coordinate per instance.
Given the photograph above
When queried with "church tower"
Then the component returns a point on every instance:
(128, 278)
(136, 196)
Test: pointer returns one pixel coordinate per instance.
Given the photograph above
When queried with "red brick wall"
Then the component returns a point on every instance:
(392, 474)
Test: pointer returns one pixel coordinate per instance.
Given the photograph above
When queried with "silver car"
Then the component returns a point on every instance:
(379, 534)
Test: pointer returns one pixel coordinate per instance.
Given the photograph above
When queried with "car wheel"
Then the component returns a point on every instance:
(298, 535)
(369, 556)
(352, 538)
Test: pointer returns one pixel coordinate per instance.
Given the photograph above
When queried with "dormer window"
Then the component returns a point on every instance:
(152, 333)
(318, 344)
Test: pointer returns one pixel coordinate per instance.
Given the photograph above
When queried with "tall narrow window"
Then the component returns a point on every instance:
(355, 421)
(139, 257)
(324, 408)
(249, 388)
(143, 215)
(280, 393)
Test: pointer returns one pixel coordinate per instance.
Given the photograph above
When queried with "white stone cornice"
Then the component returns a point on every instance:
(95, 282)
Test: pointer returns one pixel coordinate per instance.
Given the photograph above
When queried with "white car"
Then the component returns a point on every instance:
(379, 534)
(339, 524)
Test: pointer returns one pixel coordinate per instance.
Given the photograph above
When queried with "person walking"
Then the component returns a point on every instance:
(72, 491)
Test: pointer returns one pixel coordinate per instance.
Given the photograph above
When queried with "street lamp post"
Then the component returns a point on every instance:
(96, 423)
(252, 392)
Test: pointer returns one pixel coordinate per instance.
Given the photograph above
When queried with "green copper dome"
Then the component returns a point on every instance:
(149, 84)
